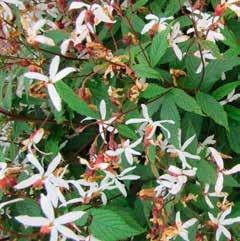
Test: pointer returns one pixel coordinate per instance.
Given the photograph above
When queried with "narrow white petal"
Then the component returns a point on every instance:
(217, 157)
(219, 183)
(189, 223)
(44, 40)
(32, 221)
(46, 207)
(69, 217)
(63, 73)
(54, 65)
(53, 164)
(68, 233)
(233, 170)
(37, 76)
(102, 109)
(28, 182)
(54, 96)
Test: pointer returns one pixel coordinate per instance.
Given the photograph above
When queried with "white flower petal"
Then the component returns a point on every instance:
(69, 217)
(68, 233)
(63, 73)
(47, 208)
(54, 96)
(44, 40)
(37, 76)
(53, 164)
(32, 221)
(28, 182)
(53, 68)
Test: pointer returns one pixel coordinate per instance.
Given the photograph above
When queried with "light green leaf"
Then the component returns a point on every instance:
(73, 101)
(113, 224)
(159, 46)
(212, 109)
(146, 71)
(153, 90)
(185, 101)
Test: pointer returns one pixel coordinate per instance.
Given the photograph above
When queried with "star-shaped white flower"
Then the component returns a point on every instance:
(176, 37)
(50, 80)
(115, 179)
(206, 55)
(220, 221)
(155, 22)
(174, 180)
(128, 149)
(182, 227)
(46, 178)
(206, 195)
(103, 123)
(221, 171)
(92, 15)
(148, 125)
(181, 153)
(50, 224)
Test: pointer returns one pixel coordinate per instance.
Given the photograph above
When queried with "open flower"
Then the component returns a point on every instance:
(206, 54)
(174, 180)
(206, 195)
(148, 125)
(52, 79)
(50, 224)
(127, 149)
(34, 139)
(116, 179)
(181, 153)
(221, 171)
(220, 222)
(92, 15)
(182, 227)
(104, 124)
(46, 179)
(176, 37)
(156, 24)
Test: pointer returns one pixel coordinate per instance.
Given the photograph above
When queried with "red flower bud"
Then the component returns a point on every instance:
(220, 8)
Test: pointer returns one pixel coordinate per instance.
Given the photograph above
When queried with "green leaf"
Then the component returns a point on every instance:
(233, 112)
(159, 46)
(231, 136)
(73, 101)
(26, 207)
(185, 101)
(153, 90)
(215, 69)
(224, 90)
(145, 71)
(212, 109)
(126, 131)
(202, 166)
(7, 101)
(113, 224)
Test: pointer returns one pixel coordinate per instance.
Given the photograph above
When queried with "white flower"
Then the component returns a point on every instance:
(208, 26)
(127, 149)
(33, 28)
(51, 224)
(3, 167)
(208, 141)
(115, 179)
(182, 227)
(52, 79)
(148, 124)
(230, 98)
(181, 153)
(221, 222)
(233, 5)
(34, 139)
(206, 55)
(91, 14)
(206, 195)
(156, 23)
(220, 169)
(104, 124)
(46, 179)
(174, 180)
(3, 204)
(176, 37)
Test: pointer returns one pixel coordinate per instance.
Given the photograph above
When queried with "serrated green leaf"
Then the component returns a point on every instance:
(224, 90)
(153, 90)
(73, 101)
(211, 176)
(212, 109)
(113, 225)
(159, 46)
(145, 71)
(185, 101)
(126, 131)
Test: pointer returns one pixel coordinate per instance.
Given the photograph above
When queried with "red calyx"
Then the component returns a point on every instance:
(220, 8)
